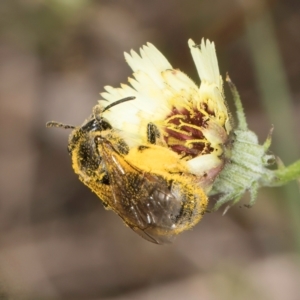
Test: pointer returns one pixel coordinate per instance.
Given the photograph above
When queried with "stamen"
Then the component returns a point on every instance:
(189, 125)
(174, 117)
(178, 130)
(196, 141)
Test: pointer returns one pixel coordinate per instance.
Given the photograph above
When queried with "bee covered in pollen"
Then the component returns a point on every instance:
(148, 185)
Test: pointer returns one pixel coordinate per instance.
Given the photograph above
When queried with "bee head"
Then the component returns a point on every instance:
(82, 145)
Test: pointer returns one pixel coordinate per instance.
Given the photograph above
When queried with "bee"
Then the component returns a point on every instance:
(147, 186)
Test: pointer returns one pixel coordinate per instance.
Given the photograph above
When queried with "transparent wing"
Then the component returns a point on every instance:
(143, 200)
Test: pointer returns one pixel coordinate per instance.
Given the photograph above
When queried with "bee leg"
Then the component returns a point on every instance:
(152, 133)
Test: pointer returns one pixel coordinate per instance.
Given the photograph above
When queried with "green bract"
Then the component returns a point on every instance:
(247, 163)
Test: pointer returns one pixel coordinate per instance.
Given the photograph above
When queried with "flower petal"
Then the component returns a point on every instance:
(206, 62)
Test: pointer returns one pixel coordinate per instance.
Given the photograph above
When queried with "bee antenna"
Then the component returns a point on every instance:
(118, 102)
(59, 125)
(98, 111)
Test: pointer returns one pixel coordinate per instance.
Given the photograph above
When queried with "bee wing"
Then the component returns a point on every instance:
(144, 201)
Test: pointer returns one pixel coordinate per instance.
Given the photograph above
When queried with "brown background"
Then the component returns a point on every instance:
(56, 239)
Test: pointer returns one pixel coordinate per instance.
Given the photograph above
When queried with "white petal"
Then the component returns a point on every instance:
(150, 61)
(203, 164)
(178, 81)
(214, 97)
(161, 62)
(206, 62)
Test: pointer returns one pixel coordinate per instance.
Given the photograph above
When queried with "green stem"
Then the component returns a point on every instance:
(285, 175)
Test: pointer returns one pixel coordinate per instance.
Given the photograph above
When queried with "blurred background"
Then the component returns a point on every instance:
(56, 239)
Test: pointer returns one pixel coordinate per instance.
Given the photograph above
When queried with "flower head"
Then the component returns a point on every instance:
(190, 121)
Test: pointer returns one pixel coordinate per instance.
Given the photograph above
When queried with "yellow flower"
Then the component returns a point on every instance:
(191, 121)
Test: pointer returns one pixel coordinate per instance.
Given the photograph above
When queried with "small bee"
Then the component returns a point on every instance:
(146, 186)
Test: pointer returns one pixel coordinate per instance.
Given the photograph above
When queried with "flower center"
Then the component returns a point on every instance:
(183, 131)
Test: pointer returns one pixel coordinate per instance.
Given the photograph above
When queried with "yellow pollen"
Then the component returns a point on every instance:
(175, 128)
(205, 113)
(174, 117)
(189, 125)
(188, 142)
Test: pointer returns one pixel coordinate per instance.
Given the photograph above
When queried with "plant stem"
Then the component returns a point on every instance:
(285, 175)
